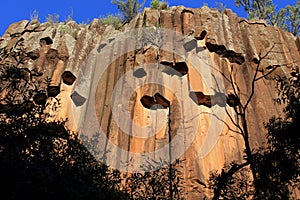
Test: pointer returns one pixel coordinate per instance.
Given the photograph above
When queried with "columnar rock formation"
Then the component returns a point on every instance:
(51, 57)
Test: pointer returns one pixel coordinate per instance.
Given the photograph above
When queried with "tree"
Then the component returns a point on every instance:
(129, 8)
(287, 18)
(155, 4)
(219, 182)
(41, 159)
(44, 160)
(273, 168)
(278, 164)
(114, 20)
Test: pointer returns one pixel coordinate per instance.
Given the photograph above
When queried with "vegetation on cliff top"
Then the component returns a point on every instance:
(42, 159)
(287, 18)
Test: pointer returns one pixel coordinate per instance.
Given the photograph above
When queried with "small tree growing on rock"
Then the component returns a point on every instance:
(155, 4)
(129, 8)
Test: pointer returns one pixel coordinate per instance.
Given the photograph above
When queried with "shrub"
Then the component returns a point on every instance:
(160, 5)
(115, 20)
(53, 19)
(129, 8)
(34, 15)
(155, 4)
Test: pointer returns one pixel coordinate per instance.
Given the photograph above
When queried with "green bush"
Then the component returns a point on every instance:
(155, 4)
(115, 20)
(129, 8)
(160, 5)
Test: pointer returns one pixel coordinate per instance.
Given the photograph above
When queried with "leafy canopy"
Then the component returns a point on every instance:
(129, 8)
(287, 18)
(114, 20)
(155, 4)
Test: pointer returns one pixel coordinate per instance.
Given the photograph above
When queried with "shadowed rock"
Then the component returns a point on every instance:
(148, 102)
(68, 78)
(40, 98)
(33, 55)
(232, 56)
(179, 69)
(161, 100)
(101, 46)
(187, 10)
(232, 100)
(77, 99)
(139, 73)
(52, 54)
(217, 99)
(53, 91)
(201, 99)
(200, 36)
(169, 69)
(156, 102)
(111, 39)
(190, 45)
(46, 40)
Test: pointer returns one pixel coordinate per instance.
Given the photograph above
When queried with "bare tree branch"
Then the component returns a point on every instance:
(226, 124)
(224, 176)
(255, 75)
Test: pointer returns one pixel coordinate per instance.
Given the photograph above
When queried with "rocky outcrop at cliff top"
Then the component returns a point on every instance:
(48, 59)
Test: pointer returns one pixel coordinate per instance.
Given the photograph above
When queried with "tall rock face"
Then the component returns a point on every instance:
(164, 78)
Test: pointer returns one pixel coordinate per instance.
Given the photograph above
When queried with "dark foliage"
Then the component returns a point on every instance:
(237, 185)
(274, 167)
(278, 164)
(129, 8)
(42, 160)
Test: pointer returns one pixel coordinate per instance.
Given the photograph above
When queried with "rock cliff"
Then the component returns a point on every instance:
(145, 93)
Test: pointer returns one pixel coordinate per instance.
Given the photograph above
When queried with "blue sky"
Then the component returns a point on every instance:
(83, 11)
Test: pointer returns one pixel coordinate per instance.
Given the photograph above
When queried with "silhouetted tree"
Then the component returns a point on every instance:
(278, 164)
(274, 168)
(41, 159)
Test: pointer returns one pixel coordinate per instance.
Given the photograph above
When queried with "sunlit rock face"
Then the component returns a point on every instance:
(156, 87)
